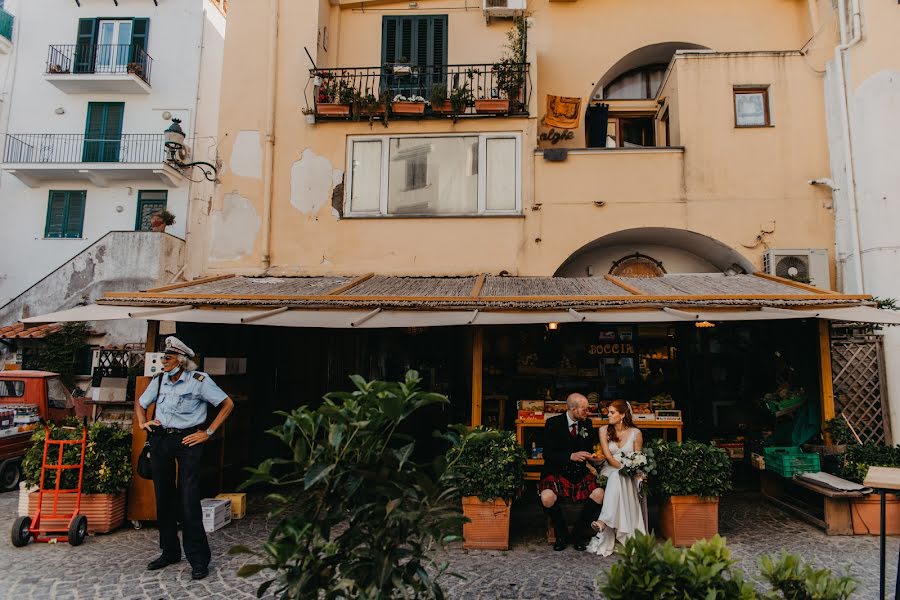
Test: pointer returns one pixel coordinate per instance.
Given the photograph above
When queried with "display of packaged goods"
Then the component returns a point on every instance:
(644, 417)
(238, 504)
(640, 408)
(734, 449)
(216, 513)
(530, 405)
(668, 415)
(662, 402)
(555, 407)
(7, 418)
(531, 415)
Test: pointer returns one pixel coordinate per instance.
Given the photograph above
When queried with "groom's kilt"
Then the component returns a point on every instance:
(563, 487)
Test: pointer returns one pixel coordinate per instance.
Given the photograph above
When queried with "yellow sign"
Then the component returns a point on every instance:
(563, 112)
(611, 349)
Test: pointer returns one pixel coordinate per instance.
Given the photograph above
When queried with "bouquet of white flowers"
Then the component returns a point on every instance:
(638, 463)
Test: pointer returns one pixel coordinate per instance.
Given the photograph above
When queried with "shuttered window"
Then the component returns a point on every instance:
(420, 42)
(103, 131)
(65, 214)
(87, 54)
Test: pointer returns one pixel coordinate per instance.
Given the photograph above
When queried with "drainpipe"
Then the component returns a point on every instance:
(269, 151)
(855, 27)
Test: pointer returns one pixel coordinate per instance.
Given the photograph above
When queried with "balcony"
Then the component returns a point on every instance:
(37, 158)
(402, 91)
(6, 31)
(99, 69)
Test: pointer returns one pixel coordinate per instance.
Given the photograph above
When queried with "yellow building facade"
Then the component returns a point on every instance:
(639, 137)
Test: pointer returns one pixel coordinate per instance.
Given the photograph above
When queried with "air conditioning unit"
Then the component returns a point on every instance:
(502, 8)
(809, 265)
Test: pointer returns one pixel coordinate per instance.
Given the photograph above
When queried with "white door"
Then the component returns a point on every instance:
(113, 46)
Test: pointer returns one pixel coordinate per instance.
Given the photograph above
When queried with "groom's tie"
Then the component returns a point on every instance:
(574, 431)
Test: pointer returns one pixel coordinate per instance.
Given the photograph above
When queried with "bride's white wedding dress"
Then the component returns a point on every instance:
(621, 510)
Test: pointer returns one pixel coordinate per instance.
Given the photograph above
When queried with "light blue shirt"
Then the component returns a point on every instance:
(182, 403)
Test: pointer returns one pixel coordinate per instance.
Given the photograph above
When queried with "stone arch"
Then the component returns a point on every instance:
(651, 54)
(676, 250)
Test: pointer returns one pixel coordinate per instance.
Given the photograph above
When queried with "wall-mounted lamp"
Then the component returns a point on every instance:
(552, 326)
(175, 148)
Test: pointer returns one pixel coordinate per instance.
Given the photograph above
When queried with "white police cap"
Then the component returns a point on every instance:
(176, 346)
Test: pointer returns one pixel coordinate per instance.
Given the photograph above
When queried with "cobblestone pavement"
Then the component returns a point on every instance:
(113, 566)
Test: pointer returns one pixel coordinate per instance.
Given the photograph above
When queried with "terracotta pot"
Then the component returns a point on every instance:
(866, 513)
(373, 111)
(104, 512)
(408, 108)
(444, 108)
(488, 528)
(686, 519)
(492, 106)
(333, 110)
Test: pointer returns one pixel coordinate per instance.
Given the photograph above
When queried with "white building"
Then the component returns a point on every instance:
(89, 86)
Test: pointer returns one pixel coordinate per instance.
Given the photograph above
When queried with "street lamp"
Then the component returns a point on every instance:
(175, 148)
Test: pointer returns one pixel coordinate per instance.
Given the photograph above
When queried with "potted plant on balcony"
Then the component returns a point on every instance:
(508, 74)
(408, 105)
(690, 478)
(107, 472)
(335, 95)
(866, 512)
(440, 102)
(160, 220)
(368, 105)
(488, 468)
(135, 69)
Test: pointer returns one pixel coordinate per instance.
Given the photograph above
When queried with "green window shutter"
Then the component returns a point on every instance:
(140, 31)
(389, 27)
(421, 41)
(86, 48)
(56, 215)
(439, 41)
(103, 131)
(75, 214)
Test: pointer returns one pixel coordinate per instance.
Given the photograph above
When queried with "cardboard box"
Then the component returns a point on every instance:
(531, 415)
(152, 363)
(238, 504)
(225, 366)
(533, 405)
(216, 513)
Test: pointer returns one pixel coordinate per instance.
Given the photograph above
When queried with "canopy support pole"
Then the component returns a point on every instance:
(826, 381)
(477, 353)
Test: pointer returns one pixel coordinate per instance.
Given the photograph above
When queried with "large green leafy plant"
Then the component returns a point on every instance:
(858, 459)
(59, 352)
(690, 469)
(645, 569)
(360, 518)
(107, 458)
(487, 463)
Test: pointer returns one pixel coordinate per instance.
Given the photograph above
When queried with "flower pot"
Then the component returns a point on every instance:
(104, 512)
(492, 106)
(488, 528)
(373, 111)
(408, 108)
(866, 514)
(686, 519)
(333, 110)
(444, 108)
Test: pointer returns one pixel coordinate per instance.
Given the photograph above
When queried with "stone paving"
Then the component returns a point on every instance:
(113, 566)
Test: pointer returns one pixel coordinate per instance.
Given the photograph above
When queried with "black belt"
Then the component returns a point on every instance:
(174, 431)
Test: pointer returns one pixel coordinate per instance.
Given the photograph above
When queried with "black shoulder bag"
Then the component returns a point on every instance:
(144, 467)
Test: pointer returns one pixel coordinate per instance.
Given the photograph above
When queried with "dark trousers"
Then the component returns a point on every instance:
(181, 501)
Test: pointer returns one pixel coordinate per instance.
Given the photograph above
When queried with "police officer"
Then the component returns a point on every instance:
(181, 394)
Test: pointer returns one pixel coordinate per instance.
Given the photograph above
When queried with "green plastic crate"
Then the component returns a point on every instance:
(787, 461)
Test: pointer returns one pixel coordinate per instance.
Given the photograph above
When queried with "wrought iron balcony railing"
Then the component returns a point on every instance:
(6, 24)
(470, 84)
(84, 59)
(56, 148)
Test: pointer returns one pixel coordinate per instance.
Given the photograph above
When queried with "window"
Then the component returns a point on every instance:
(421, 43)
(57, 394)
(103, 132)
(631, 131)
(149, 203)
(434, 176)
(12, 388)
(637, 84)
(110, 45)
(65, 214)
(751, 107)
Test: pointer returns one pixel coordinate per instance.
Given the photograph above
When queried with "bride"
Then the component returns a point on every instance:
(621, 514)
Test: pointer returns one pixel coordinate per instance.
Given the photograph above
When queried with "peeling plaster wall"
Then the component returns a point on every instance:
(312, 181)
(247, 155)
(234, 229)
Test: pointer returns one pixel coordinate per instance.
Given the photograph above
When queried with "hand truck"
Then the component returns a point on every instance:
(25, 529)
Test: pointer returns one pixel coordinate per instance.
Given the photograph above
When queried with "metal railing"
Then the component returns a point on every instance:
(73, 148)
(6, 24)
(473, 81)
(81, 59)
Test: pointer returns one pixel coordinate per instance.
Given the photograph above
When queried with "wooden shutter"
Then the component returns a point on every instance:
(56, 215)
(85, 51)
(389, 27)
(75, 214)
(140, 31)
(103, 132)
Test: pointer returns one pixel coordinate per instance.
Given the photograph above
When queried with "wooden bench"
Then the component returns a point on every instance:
(818, 505)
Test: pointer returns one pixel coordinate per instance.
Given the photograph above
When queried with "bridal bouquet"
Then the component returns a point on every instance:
(638, 463)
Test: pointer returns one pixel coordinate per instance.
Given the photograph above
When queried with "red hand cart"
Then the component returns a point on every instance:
(71, 527)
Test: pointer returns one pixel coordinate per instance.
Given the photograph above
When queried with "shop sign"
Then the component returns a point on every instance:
(554, 137)
(613, 349)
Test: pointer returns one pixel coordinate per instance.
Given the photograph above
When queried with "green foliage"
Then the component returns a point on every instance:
(839, 431)
(690, 469)
(487, 463)
(886, 303)
(107, 458)
(59, 352)
(706, 570)
(438, 93)
(460, 98)
(794, 580)
(509, 70)
(646, 569)
(363, 517)
(857, 460)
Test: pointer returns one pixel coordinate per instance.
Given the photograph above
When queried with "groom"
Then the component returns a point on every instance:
(568, 443)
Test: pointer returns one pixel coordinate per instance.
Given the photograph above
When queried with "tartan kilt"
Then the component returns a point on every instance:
(565, 488)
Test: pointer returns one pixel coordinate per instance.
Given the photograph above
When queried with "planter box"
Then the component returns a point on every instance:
(408, 108)
(444, 108)
(104, 512)
(373, 111)
(333, 110)
(493, 106)
(489, 526)
(686, 519)
(866, 514)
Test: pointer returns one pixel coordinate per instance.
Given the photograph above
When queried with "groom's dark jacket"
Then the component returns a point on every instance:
(559, 446)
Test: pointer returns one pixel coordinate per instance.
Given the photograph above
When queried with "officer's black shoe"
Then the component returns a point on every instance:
(559, 544)
(580, 545)
(199, 572)
(162, 562)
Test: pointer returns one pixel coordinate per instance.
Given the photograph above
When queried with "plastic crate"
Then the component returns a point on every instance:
(787, 461)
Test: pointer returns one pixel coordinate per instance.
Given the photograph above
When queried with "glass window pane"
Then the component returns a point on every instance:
(501, 174)
(12, 388)
(366, 177)
(750, 109)
(630, 86)
(433, 176)
(57, 394)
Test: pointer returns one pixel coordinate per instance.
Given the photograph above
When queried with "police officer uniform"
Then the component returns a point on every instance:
(181, 406)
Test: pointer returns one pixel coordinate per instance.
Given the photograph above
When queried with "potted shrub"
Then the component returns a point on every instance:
(508, 74)
(866, 512)
(690, 479)
(369, 105)
(159, 221)
(136, 69)
(335, 95)
(440, 101)
(408, 105)
(488, 468)
(107, 472)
